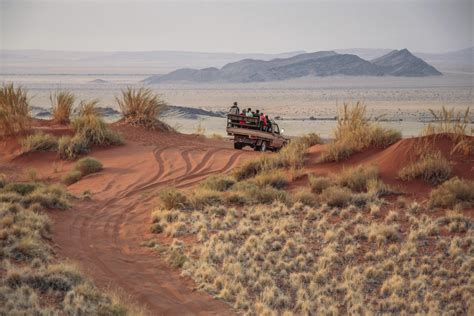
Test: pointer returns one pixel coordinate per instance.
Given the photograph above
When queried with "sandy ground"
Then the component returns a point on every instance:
(104, 234)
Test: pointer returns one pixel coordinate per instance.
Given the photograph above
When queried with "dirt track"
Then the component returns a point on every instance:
(104, 234)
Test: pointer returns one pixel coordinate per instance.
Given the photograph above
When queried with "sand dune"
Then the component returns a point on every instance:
(104, 234)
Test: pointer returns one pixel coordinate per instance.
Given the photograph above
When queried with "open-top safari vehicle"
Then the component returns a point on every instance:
(248, 131)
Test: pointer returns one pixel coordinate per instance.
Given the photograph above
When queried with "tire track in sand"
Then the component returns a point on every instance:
(105, 235)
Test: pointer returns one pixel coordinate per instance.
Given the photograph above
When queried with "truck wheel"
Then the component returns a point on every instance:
(256, 148)
(263, 148)
(237, 146)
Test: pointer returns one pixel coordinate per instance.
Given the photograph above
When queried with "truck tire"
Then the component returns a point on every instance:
(263, 148)
(237, 146)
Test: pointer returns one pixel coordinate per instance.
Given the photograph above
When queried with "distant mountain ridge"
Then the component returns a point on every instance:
(320, 64)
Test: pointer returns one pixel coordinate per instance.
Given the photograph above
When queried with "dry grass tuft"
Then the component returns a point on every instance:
(70, 148)
(355, 133)
(39, 142)
(456, 124)
(14, 109)
(171, 198)
(62, 104)
(141, 107)
(88, 165)
(453, 192)
(432, 168)
(358, 178)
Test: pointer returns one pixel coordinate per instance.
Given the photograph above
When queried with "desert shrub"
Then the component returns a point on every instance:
(306, 197)
(88, 165)
(87, 108)
(319, 184)
(456, 125)
(217, 183)
(432, 168)
(140, 107)
(14, 109)
(71, 147)
(452, 192)
(336, 196)
(22, 188)
(94, 131)
(269, 195)
(291, 156)
(236, 198)
(62, 103)
(172, 198)
(72, 177)
(39, 142)
(276, 179)
(357, 178)
(203, 198)
(355, 133)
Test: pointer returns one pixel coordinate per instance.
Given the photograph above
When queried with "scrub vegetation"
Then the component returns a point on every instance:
(14, 110)
(33, 281)
(354, 133)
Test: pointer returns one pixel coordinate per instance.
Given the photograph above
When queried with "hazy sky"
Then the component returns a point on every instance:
(236, 26)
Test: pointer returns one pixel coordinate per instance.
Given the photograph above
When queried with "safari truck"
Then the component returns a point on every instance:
(247, 131)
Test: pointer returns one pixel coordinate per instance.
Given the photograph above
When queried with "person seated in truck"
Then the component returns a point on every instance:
(234, 109)
(257, 114)
(243, 114)
(269, 124)
(263, 122)
(249, 113)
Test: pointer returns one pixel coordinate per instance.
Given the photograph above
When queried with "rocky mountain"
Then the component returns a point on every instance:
(405, 64)
(321, 64)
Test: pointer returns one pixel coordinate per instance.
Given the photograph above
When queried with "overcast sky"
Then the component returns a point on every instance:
(236, 26)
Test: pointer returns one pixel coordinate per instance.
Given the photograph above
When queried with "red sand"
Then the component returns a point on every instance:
(104, 234)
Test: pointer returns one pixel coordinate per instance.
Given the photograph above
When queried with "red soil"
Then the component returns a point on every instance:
(104, 234)
(391, 160)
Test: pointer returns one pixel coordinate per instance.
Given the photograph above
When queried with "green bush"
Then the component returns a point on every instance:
(203, 198)
(39, 142)
(88, 165)
(72, 177)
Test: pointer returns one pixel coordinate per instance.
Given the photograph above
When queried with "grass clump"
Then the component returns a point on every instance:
(62, 103)
(39, 142)
(432, 168)
(90, 126)
(14, 109)
(171, 198)
(70, 148)
(290, 157)
(72, 177)
(276, 179)
(357, 179)
(355, 133)
(88, 165)
(140, 107)
(452, 192)
(336, 196)
(218, 183)
(319, 184)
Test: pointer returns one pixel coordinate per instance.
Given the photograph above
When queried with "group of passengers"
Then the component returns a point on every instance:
(264, 122)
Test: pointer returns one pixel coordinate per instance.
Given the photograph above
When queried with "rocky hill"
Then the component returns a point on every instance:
(321, 64)
(403, 63)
